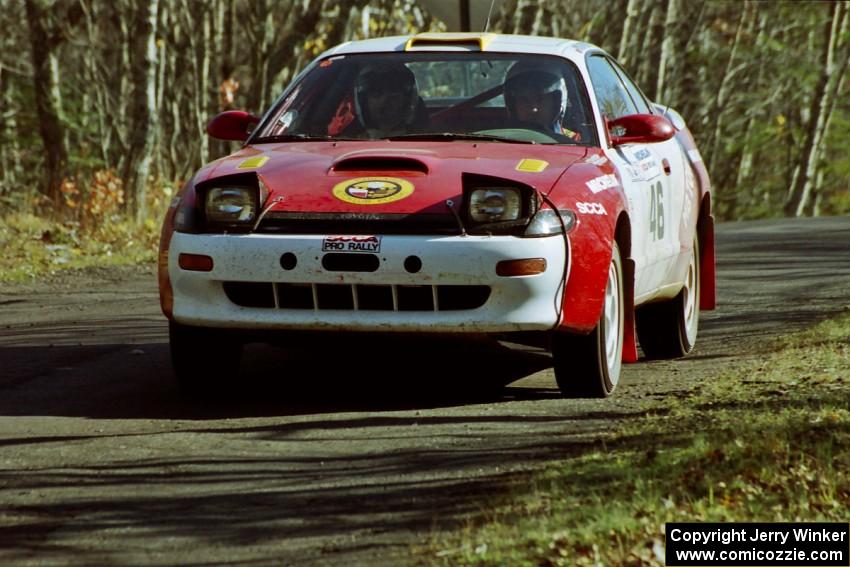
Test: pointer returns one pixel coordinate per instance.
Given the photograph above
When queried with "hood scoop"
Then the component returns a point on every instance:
(381, 165)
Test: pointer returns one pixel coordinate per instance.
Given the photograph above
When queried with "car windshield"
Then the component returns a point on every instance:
(510, 98)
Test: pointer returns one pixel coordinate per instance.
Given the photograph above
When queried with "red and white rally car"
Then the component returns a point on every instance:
(447, 183)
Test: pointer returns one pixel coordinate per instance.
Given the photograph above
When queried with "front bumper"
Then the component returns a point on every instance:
(391, 298)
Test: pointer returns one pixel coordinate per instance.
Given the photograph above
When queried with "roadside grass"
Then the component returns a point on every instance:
(35, 247)
(767, 442)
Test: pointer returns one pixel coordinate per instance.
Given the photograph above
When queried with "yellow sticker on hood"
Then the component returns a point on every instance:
(253, 162)
(372, 190)
(532, 165)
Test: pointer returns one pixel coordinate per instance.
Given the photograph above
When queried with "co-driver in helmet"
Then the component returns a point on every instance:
(536, 97)
(386, 100)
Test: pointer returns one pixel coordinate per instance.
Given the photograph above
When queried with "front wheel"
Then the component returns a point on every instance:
(668, 329)
(204, 360)
(588, 366)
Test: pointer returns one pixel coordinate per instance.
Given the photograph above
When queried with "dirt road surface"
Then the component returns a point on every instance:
(336, 454)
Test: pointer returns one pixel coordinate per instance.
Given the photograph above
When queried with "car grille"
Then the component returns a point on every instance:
(357, 297)
(357, 223)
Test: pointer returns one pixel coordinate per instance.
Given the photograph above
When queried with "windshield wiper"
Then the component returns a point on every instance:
(298, 138)
(458, 136)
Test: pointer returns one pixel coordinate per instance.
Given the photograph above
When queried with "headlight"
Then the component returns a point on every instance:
(495, 204)
(231, 205)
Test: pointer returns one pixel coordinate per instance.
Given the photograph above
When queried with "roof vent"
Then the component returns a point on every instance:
(469, 41)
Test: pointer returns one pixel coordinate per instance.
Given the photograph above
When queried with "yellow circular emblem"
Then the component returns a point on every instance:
(372, 190)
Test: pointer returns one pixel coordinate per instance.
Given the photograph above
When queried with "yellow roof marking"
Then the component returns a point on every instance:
(532, 165)
(449, 39)
(253, 162)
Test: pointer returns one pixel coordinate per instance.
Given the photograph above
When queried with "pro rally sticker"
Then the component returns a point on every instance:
(351, 244)
(372, 190)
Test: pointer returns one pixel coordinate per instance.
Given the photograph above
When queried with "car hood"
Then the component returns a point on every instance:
(317, 176)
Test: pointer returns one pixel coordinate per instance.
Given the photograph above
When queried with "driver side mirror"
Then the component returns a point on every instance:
(640, 129)
(232, 125)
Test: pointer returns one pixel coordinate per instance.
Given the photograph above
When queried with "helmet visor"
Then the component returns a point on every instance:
(540, 82)
(388, 82)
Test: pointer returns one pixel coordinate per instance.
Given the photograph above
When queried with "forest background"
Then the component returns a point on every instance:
(104, 103)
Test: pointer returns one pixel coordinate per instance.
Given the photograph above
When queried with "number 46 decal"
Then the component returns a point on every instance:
(656, 211)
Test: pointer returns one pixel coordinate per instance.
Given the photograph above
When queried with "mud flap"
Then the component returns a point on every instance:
(707, 269)
(629, 332)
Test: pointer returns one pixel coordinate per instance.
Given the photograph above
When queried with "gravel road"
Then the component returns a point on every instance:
(334, 454)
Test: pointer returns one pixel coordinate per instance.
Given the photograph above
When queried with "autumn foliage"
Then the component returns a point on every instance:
(103, 102)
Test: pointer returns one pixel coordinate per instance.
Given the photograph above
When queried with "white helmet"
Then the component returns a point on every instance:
(386, 78)
(541, 79)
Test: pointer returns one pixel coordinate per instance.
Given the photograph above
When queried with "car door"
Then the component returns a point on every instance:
(674, 183)
(647, 171)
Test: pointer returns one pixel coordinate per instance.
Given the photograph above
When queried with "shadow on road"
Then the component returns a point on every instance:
(288, 507)
(109, 381)
(344, 477)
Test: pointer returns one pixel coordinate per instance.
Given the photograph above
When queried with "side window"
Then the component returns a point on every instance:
(634, 91)
(614, 101)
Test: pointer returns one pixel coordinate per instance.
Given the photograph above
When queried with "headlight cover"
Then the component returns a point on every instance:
(231, 205)
(494, 204)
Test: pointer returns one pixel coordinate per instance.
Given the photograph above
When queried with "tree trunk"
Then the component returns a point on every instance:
(263, 33)
(161, 53)
(8, 137)
(200, 62)
(669, 64)
(121, 124)
(175, 156)
(524, 16)
(47, 103)
(718, 108)
(542, 24)
(625, 51)
(647, 75)
(93, 75)
(143, 112)
(750, 147)
(635, 52)
(835, 66)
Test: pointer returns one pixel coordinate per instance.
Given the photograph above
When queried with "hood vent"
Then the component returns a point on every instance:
(381, 164)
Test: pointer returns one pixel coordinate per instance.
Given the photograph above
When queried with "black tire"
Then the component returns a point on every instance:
(588, 366)
(204, 360)
(668, 329)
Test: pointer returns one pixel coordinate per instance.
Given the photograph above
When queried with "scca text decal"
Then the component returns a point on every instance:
(351, 244)
(591, 209)
(372, 190)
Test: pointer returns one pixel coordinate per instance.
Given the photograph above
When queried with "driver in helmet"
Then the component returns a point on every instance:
(386, 100)
(536, 97)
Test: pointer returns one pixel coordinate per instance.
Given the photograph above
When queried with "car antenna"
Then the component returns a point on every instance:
(487, 23)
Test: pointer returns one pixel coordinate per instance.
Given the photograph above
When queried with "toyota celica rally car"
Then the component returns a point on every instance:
(447, 183)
